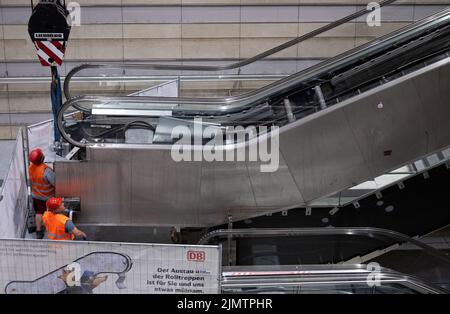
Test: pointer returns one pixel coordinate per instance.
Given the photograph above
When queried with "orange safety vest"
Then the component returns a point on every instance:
(39, 187)
(56, 226)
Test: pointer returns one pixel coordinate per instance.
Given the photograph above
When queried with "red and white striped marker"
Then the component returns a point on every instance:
(50, 53)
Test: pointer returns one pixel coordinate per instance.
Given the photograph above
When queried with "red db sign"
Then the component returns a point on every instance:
(196, 256)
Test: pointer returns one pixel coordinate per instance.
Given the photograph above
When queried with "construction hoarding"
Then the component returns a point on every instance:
(65, 267)
(14, 195)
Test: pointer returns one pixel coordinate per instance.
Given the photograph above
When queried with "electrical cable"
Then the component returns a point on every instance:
(137, 124)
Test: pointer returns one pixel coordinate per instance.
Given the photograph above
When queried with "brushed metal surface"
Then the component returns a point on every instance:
(225, 183)
(104, 186)
(163, 190)
(380, 115)
(273, 189)
(437, 115)
(397, 124)
(321, 154)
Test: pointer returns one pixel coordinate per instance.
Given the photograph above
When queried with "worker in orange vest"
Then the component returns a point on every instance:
(42, 179)
(58, 225)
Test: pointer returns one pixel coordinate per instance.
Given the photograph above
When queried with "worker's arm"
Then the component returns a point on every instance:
(70, 228)
(78, 233)
(49, 176)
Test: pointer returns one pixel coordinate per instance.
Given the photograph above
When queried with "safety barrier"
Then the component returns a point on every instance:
(13, 195)
(66, 267)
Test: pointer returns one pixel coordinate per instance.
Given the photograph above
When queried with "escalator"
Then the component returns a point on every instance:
(320, 251)
(320, 279)
(341, 122)
(332, 82)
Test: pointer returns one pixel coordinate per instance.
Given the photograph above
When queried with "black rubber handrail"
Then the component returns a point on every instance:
(227, 105)
(358, 231)
(221, 67)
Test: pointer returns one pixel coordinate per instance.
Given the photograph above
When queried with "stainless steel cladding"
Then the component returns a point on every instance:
(323, 153)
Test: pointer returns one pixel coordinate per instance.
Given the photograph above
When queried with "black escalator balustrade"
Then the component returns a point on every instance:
(295, 97)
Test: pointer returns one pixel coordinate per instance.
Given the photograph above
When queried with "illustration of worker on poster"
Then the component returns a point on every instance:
(88, 282)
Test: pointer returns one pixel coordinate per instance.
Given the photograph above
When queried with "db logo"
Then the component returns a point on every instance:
(197, 256)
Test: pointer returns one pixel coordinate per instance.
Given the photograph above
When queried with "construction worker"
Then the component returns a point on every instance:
(58, 225)
(42, 179)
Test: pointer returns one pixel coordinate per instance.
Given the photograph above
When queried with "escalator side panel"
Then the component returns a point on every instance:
(398, 124)
(389, 128)
(368, 135)
(273, 189)
(434, 94)
(325, 153)
(322, 154)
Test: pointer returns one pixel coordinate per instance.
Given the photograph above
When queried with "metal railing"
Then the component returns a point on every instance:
(368, 232)
(340, 279)
(147, 78)
(228, 105)
(225, 105)
(222, 67)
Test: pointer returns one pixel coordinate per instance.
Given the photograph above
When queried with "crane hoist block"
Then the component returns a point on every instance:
(49, 29)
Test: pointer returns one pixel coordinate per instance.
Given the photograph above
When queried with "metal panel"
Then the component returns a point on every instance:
(435, 110)
(388, 130)
(102, 183)
(97, 110)
(163, 192)
(322, 154)
(274, 189)
(393, 126)
(225, 190)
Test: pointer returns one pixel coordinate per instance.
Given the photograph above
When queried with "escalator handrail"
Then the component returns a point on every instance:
(222, 67)
(385, 276)
(358, 231)
(232, 104)
(227, 104)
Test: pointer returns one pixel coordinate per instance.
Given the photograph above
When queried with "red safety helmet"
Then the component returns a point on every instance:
(53, 203)
(36, 156)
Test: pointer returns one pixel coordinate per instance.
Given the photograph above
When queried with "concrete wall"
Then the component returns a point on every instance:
(181, 31)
